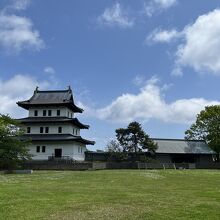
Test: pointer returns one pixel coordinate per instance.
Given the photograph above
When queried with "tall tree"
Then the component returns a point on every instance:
(207, 127)
(115, 151)
(12, 149)
(134, 139)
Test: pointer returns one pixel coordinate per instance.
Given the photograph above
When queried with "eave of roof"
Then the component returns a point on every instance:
(57, 137)
(26, 105)
(35, 120)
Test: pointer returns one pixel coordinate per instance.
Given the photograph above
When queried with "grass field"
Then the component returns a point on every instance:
(116, 194)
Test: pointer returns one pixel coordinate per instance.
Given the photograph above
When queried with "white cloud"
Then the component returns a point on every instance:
(17, 33)
(19, 87)
(162, 36)
(138, 80)
(201, 46)
(51, 74)
(165, 3)
(116, 16)
(149, 103)
(177, 71)
(49, 70)
(20, 4)
(157, 5)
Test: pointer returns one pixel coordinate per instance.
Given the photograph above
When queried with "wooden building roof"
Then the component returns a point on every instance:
(182, 146)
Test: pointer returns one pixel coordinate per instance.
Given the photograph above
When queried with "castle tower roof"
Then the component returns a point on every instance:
(51, 98)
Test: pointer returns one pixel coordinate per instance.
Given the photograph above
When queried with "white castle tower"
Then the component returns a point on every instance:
(52, 127)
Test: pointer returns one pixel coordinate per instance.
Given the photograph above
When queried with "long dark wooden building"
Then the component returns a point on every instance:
(183, 151)
(170, 151)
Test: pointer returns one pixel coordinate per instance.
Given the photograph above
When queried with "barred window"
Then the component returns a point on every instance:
(35, 113)
(43, 149)
(58, 112)
(28, 130)
(38, 149)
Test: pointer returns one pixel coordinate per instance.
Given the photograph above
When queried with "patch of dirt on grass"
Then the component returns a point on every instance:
(101, 211)
(152, 174)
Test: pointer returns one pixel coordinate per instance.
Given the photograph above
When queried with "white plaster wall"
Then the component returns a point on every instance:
(53, 128)
(68, 149)
(63, 112)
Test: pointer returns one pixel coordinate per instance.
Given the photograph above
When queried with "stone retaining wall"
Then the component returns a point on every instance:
(54, 165)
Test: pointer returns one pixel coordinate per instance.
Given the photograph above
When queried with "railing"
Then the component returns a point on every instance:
(166, 165)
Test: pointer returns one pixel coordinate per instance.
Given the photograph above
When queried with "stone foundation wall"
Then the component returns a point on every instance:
(55, 165)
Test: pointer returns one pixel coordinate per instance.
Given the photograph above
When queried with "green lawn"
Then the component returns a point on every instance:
(111, 194)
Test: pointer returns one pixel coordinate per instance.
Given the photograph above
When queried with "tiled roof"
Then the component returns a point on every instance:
(35, 120)
(51, 97)
(182, 146)
(56, 137)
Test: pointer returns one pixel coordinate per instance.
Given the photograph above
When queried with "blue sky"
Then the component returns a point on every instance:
(154, 61)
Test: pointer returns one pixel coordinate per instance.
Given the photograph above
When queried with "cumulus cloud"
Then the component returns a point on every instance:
(157, 5)
(162, 36)
(150, 103)
(19, 87)
(116, 16)
(201, 46)
(17, 32)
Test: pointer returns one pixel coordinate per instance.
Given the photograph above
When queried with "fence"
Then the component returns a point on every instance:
(138, 165)
(57, 165)
(66, 165)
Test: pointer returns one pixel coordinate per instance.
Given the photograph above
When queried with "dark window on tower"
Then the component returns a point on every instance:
(38, 149)
(59, 129)
(28, 130)
(43, 149)
(47, 130)
(44, 112)
(58, 112)
(71, 115)
(68, 115)
(49, 112)
(35, 113)
(41, 130)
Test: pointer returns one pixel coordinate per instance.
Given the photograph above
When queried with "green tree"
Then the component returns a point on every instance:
(207, 127)
(134, 139)
(115, 151)
(13, 149)
(113, 146)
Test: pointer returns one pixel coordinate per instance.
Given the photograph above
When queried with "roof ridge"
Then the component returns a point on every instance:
(51, 91)
(176, 139)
